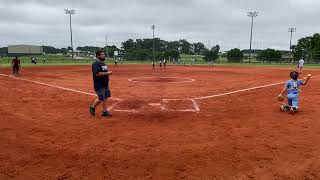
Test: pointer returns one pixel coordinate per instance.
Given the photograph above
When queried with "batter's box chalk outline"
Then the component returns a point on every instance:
(112, 108)
(165, 102)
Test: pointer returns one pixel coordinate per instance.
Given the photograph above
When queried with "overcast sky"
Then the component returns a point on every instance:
(223, 22)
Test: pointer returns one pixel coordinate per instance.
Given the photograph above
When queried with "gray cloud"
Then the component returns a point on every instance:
(220, 22)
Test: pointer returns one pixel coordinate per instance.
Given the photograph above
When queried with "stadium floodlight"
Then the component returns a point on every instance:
(71, 12)
(291, 31)
(153, 44)
(252, 15)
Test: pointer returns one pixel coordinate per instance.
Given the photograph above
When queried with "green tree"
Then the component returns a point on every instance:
(129, 44)
(136, 49)
(51, 50)
(270, 55)
(172, 54)
(173, 45)
(213, 54)
(199, 48)
(91, 49)
(308, 48)
(235, 55)
(3, 50)
(185, 46)
(64, 50)
(302, 48)
(111, 50)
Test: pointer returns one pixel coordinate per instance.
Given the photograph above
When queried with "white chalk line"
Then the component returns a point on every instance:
(184, 80)
(54, 86)
(112, 107)
(164, 101)
(243, 90)
(164, 106)
(72, 90)
(195, 105)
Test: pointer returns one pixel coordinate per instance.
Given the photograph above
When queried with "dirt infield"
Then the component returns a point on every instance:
(224, 124)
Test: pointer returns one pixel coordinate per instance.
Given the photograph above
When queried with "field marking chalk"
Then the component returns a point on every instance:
(184, 80)
(163, 104)
(54, 86)
(195, 105)
(244, 90)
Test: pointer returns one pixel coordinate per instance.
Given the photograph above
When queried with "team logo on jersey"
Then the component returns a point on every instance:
(295, 85)
(105, 68)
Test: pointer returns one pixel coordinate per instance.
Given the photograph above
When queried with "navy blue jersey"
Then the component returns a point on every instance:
(100, 81)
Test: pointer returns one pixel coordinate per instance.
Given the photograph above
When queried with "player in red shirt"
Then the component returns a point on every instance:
(16, 65)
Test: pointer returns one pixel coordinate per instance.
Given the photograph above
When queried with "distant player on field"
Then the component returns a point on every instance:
(101, 75)
(300, 65)
(210, 63)
(160, 64)
(116, 62)
(16, 65)
(164, 63)
(293, 89)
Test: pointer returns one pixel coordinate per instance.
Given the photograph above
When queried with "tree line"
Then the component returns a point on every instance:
(307, 48)
(142, 49)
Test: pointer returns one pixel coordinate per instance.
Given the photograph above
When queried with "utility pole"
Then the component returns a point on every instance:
(70, 13)
(153, 49)
(310, 52)
(106, 45)
(252, 15)
(291, 31)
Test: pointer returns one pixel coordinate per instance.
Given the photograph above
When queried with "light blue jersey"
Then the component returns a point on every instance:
(293, 88)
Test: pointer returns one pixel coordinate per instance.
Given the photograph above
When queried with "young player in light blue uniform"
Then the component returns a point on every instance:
(293, 88)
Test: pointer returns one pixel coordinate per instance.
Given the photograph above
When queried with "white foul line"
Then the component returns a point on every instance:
(163, 106)
(54, 86)
(243, 90)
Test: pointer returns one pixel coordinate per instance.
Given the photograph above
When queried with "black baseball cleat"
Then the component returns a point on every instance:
(293, 110)
(92, 111)
(284, 107)
(106, 113)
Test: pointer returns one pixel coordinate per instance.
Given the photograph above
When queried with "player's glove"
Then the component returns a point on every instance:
(280, 98)
(309, 76)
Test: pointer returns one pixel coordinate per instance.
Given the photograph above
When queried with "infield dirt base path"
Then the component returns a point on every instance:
(47, 132)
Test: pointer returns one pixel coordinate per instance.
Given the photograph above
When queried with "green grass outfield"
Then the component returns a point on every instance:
(307, 66)
(55, 60)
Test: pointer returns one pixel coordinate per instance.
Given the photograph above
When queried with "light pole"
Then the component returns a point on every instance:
(70, 12)
(153, 44)
(107, 46)
(251, 15)
(291, 31)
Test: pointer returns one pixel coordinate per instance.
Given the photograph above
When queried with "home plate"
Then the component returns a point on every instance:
(154, 104)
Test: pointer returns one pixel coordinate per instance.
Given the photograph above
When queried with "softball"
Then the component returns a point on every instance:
(309, 75)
